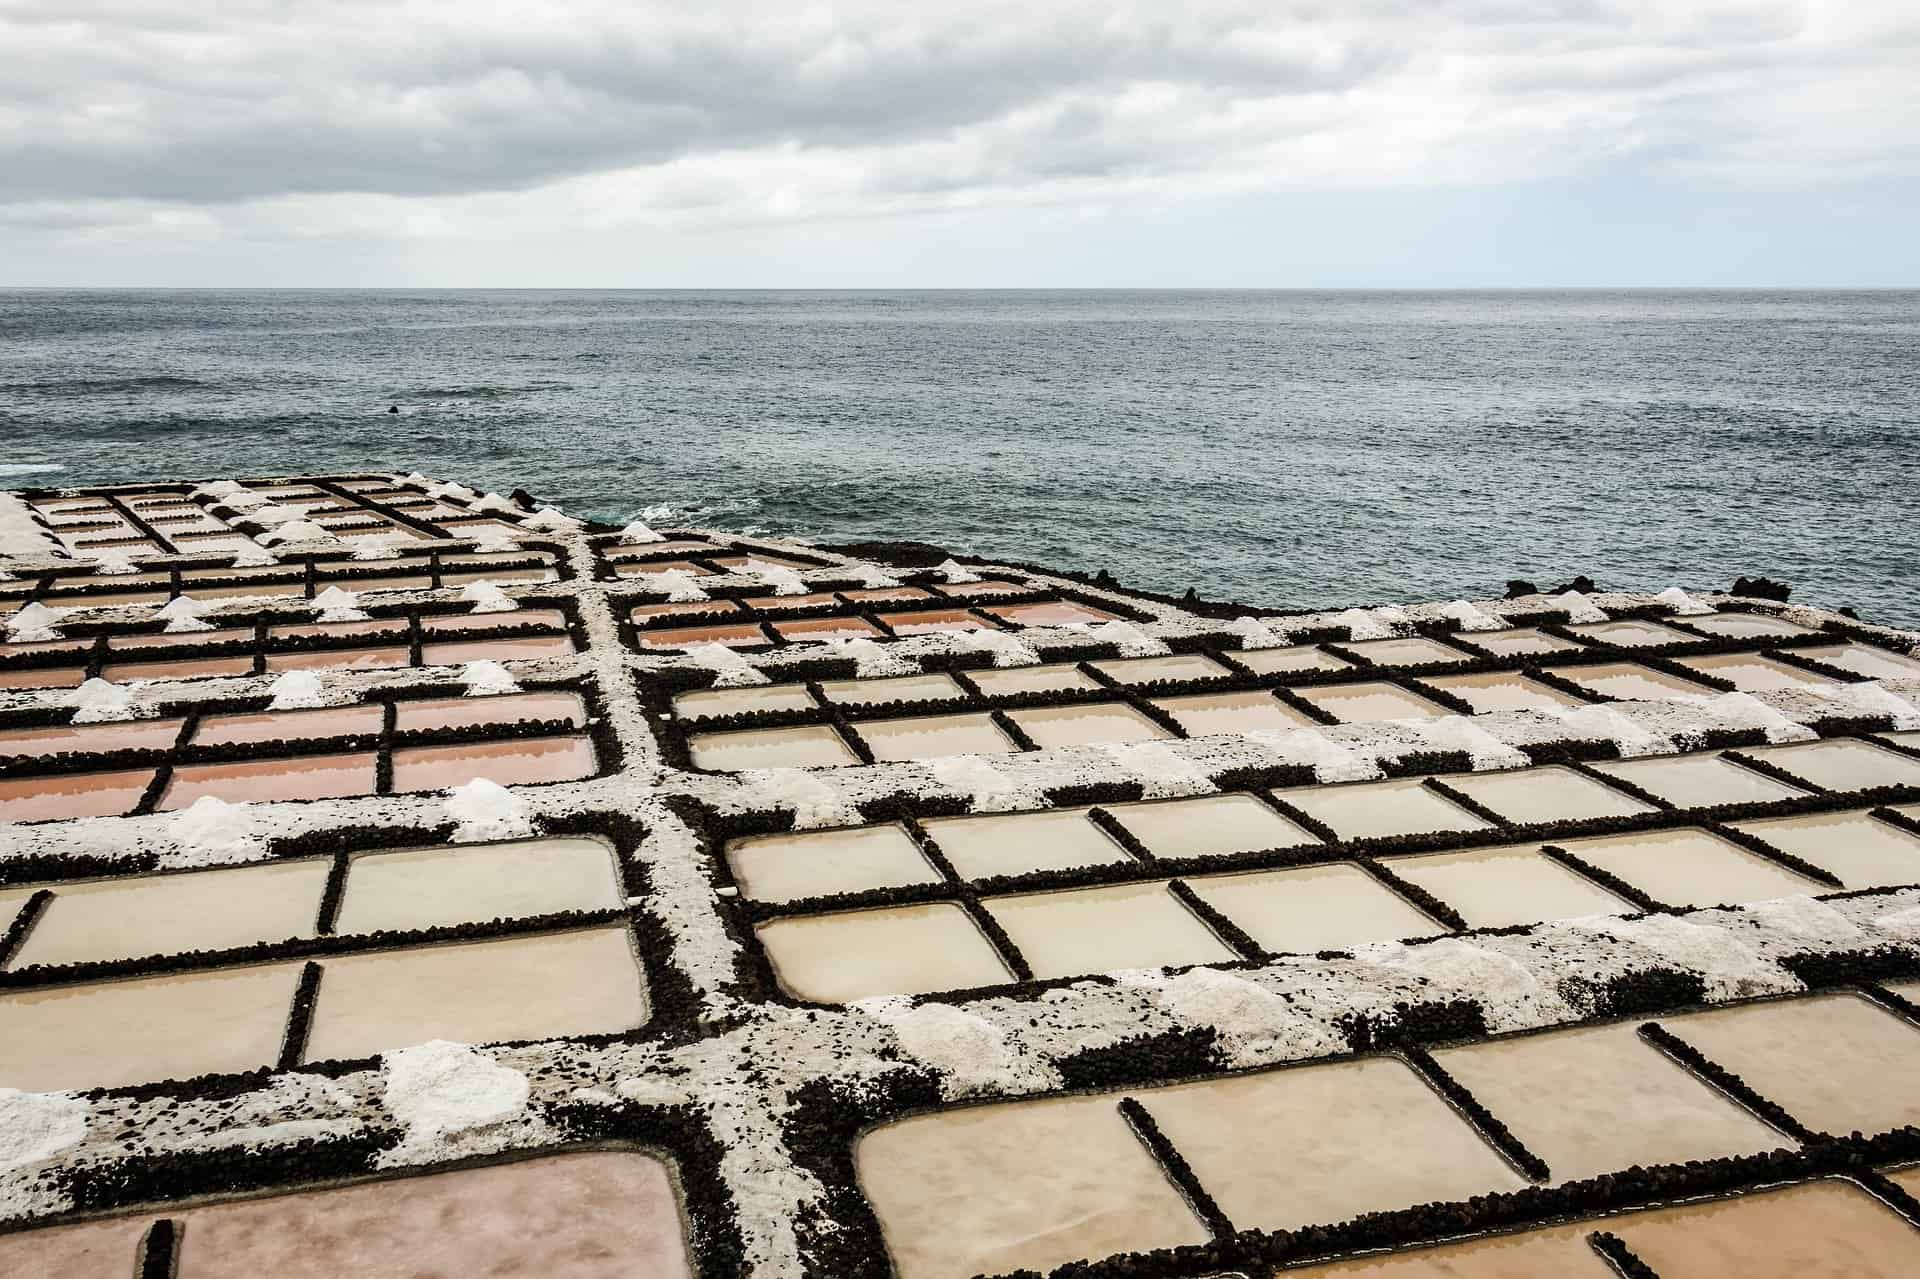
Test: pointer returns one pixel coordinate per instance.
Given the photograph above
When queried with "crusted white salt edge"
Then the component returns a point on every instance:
(1901, 923)
(483, 809)
(734, 671)
(1253, 1024)
(1682, 603)
(254, 557)
(484, 679)
(378, 546)
(987, 789)
(1804, 917)
(870, 660)
(98, 701)
(280, 513)
(1732, 969)
(37, 1126)
(487, 597)
(1744, 710)
(496, 542)
(459, 492)
(1459, 733)
(1471, 617)
(1331, 761)
(216, 489)
(493, 503)
(784, 581)
(974, 1055)
(1462, 969)
(955, 572)
(245, 500)
(438, 1089)
(212, 832)
(112, 563)
(680, 586)
(336, 604)
(814, 801)
(869, 576)
(1871, 698)
(1160, 771)
(297, 690)
(1606, 720)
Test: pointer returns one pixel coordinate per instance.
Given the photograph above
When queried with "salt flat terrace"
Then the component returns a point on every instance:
(398, 877)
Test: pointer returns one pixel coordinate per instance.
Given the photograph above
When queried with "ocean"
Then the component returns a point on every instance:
(1300, 449)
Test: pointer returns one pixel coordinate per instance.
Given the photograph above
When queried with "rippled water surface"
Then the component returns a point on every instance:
(1290, 448)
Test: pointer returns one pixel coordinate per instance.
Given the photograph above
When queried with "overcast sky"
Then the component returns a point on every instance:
(970, 143)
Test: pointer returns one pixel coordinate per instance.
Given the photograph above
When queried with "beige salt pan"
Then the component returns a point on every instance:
(802, 630)
(526, 648)
(1415, 650)
(813, 746)
(740, 701)
(1313, 908)
(1210, 824)
(41, 799)
(902, 950)
(933, 736)
(928, 621)
(1360, 1136)
(1832, 1229)
(1861, 850)
(1865, 659)
(92, 1250)
(44, 677)
(378, 628)
(1504, 691)
(258, 780)
(267, 726)
(131, 735)
(1282, 661)
(1830, 1060)
(1633, 634)
(148, 643)
(1098, 930)
(597, 1215)
(1752, 673)
(902, 688)
(783, 868)
(688, 608)
(1548, 794)
(1034, 1185)
(1691, 868)
(1748, 626)
(110, 1034)
(1632, 682)
(998, 682)
(1843, 764)
(1370, 702)
(542, 987)
(887, 594)
(478, 712)
(1212, 714)
(1017, 843)
(473, 883)
(1051, 613)
(1521, 641)
(169, 914)
(732, 635)
(190, 668)
(1374, 810)
(339, 659)
(989, 586)
(1600, 1099)
(1698, 781)
(1145, 670)
(1086, 725)
(513, 762)
(1500, 887)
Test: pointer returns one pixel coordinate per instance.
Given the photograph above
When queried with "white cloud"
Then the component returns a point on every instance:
(168, 121)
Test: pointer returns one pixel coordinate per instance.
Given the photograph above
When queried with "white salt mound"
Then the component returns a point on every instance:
(550, 520)
(734, 670)
(296, 690)
(99, 701)
(1682, 603)
(485, 679)
(211, 831)
(487, 597)
(1471, 617)
(955, 572)
(637, 533)
(814, 802)
(679, 585)
(485, 810)
(32, 624)
(183, 613)
(38, 1125)
(1579, 608)
(784, 581)
(440, 1088)
(1362, 625)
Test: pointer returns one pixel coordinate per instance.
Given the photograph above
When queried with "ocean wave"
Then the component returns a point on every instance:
(435, 393)
(29, 468)
(103, 386)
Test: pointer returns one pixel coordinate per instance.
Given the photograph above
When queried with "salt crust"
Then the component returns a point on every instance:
(975, 1055)
(485, 810)
(1579, 608)
(37, 1126)
(870, 660)
(337, 605)
(784, 581)
(1130, 639)
(814, 802)
(438, 1089)
(956, 573)
(1734, 950)
(380, 546)
(1460, 733)
(1362, 624)
(637, 533)
(987, 789)
(183, 613)
(1682, 603)
(1471, 617)
(733, 670)
(1007, 649)
(681, 586)
(32, 624)
(485, 679)
(1255, 633)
